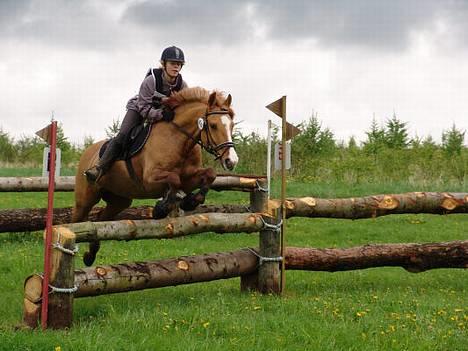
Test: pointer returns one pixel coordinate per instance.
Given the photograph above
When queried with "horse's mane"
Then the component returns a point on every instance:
(194, 94)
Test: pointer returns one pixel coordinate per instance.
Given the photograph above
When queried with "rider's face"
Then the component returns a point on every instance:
(173, 68)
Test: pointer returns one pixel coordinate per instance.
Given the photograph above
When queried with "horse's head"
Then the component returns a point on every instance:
(212, 119)
(216, 130)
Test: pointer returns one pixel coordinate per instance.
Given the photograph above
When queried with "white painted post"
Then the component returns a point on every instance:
(45, 162)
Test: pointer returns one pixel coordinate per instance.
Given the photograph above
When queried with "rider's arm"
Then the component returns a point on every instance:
(144, 101)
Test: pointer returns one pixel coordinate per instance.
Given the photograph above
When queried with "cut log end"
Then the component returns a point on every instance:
(388, 203)
(449, 204)
(32, 301)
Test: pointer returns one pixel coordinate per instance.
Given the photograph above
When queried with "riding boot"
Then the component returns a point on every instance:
(105, 162)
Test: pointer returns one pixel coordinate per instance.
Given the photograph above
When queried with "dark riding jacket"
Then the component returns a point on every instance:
(154, 85)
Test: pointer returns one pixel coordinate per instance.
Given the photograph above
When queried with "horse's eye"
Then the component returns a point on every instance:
(213, 126)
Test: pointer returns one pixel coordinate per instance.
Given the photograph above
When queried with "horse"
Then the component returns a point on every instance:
(170, 161)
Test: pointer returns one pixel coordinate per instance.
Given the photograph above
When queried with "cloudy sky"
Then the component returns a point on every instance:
(345, 60)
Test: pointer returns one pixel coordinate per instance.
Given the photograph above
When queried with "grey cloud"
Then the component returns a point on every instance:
(373, 24)
(75, 24)
(200, 21)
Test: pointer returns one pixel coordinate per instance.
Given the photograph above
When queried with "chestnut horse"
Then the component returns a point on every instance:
(170, 161)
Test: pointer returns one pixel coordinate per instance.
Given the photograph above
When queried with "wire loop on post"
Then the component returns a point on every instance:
(262, 260)
(60, 247)
(274, 227)
(260, 188)
(54, 289)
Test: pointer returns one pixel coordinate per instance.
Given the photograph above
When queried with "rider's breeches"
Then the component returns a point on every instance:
(131, 119)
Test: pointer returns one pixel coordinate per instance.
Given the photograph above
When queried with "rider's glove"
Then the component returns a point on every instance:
(156, 101)
(167, 115)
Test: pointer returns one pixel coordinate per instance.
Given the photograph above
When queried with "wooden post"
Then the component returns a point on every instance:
(259, 197)
(62, 277)
(258, 204)
(269, 270)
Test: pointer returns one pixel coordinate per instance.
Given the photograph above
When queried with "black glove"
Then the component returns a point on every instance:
(167, 115)
(156, 101)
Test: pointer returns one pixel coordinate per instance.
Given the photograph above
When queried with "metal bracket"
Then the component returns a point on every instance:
(274, 227)
(260, 188)
(262, 260)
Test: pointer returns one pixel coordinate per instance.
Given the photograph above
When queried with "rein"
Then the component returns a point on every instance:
(211, 148)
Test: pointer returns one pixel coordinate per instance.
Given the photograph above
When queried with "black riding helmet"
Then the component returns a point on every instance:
(173, 53)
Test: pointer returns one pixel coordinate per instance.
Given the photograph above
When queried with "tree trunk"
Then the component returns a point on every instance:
(125, 277)
(376, 205)
(414, 258)
(32, 219)
(183, 270)
(21, 184)
(166, 228)
(28, 219)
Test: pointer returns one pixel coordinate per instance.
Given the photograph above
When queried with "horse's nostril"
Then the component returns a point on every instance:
(229, 164)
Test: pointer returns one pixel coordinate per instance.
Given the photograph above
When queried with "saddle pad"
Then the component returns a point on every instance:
(134, 143)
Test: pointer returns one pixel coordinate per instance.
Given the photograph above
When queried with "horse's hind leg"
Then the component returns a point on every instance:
(114, 205)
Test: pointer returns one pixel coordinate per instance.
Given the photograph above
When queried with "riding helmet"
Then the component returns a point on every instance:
(173, 53)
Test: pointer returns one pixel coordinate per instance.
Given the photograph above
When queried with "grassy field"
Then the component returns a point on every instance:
(374, 309)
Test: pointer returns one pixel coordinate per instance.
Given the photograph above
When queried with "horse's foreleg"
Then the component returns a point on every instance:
(168, 203)
(202, 179)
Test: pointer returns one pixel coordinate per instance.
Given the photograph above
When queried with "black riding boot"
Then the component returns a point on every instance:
(105, 162)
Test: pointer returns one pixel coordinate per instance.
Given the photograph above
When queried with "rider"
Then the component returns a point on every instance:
(158, 84)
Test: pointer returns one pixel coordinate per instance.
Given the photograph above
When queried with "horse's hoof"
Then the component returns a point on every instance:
(189, 203)
(160, 211)
(88, 258)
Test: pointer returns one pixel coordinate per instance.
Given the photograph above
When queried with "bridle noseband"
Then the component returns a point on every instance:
(211, 147)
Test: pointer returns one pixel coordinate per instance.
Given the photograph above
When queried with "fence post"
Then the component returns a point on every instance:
(258, 204)
(62, 279)
(259, 197)
(267, 278)
(269, 271)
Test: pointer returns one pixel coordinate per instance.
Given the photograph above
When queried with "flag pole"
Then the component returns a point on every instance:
(283, 191)
(48, 238)
(269, 158)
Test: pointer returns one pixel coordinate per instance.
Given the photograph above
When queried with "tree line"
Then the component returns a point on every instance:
(387, 154)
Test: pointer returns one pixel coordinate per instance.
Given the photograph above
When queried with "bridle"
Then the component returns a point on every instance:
(210, 147)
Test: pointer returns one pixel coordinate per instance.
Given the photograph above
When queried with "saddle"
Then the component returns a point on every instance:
(132, 145)
(134, 142)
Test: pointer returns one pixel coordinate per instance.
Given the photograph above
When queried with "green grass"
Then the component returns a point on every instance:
(373, 309)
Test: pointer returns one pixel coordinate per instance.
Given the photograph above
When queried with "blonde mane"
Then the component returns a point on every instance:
(195, 94)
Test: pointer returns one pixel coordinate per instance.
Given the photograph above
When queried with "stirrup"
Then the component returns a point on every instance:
(93, 174)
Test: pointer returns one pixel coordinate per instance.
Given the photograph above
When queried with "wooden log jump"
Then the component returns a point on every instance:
(166, 228)
(246, 183)
(32, 219)
(126, 277)
(376, 205)
(20, 220)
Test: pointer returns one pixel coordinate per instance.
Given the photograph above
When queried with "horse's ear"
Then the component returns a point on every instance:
(212, 99)
(227, 102)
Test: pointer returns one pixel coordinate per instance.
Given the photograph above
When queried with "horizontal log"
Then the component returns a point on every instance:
(414, 258)
(191, 269)
(32, 219)
(166, 228)
(67, 183)
(19, 220)
(183, 270)
(375, 205)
